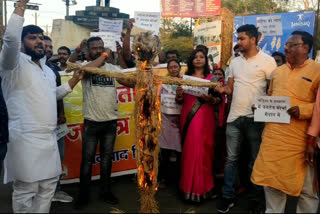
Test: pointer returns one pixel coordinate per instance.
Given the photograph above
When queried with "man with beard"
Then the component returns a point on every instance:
(285, 163)
(100, 112)
(63, 56)
(247, 80)
(49, 52)
(30, 91)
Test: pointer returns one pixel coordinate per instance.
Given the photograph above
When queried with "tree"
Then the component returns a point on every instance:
(184, 46)
(176, 35)
(309, 4)
(246, 7)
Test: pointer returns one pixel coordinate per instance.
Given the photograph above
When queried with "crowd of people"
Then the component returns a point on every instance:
(202, 138)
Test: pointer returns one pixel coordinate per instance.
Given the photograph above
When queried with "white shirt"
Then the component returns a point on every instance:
(250, 81)
(31, 96)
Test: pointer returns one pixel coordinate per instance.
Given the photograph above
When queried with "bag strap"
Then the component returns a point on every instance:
(196, 106)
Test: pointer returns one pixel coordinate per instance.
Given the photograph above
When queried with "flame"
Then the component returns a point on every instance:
(141, 144)
(143, 65)
(141, 180)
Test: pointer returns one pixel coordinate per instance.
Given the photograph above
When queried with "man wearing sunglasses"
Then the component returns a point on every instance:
(285, 163)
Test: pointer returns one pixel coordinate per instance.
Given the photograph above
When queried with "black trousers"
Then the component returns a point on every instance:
(105, 134)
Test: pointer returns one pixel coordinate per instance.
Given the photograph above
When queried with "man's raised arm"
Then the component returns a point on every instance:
(9, 57)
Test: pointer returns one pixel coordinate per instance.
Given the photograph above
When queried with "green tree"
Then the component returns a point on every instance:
(246, 7)
(181, 29)
(176, 35)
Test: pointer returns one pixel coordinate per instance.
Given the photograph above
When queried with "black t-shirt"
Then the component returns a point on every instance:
(4, 133)
(55, 68)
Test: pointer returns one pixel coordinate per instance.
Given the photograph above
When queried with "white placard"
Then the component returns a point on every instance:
(270, 25)
(113, 26)
(108, 38)
(195, 91)
(209, 34)
(61, 131)
(169, 105)
(148, 21)
(272, 109)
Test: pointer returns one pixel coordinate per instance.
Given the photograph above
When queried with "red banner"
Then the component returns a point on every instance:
(190, 8)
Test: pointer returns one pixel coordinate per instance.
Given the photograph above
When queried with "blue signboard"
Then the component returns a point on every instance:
(274, 34)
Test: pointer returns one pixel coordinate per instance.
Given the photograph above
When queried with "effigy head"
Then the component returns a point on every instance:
(146, 47)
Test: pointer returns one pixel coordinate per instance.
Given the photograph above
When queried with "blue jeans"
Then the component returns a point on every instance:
(238, 130)
(103, 133)
(61, 153)
(3, 152)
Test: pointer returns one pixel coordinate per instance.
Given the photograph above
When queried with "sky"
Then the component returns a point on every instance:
(56, 9)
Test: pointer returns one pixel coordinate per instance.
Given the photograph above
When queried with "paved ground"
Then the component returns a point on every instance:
(125, 189)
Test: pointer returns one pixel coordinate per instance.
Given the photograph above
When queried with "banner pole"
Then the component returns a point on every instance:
(315, 36)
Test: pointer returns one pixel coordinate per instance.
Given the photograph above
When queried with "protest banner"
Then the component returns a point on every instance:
(272, 109)
(108, 39)
(190, 8)
(275, 35)
(169, 105)
(148, 21)
(113, 26)
(195, 91)
(209, 34)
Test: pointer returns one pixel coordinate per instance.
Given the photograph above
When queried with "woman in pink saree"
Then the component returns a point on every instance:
(197, 133)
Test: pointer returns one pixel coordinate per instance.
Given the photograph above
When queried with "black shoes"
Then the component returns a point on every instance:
(81, 202)
(225, 205)
(109, 198)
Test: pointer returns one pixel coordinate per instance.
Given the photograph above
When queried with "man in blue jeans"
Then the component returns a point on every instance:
(247, 80)
(4, 134)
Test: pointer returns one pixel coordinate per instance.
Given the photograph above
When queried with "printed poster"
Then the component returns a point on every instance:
(209, 34)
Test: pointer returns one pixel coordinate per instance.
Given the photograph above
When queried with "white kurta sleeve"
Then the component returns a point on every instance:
(63, 90)
(9, 57)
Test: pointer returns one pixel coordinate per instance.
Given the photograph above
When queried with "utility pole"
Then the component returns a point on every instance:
(67, 7)
(36, 15)
(47, 30)
(68, 4)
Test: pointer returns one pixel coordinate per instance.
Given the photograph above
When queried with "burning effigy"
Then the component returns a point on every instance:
(147, 112)
(148, 121)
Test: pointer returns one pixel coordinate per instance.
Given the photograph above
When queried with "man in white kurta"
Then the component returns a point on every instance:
(30, 92)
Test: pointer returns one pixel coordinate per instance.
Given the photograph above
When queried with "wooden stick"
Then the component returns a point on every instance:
(132, 77)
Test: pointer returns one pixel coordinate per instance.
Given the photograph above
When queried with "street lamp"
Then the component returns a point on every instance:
(68, 4)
